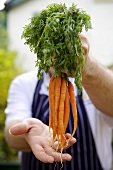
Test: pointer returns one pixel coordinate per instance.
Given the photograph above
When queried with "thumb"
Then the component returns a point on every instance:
(19, 129)
(85, 43)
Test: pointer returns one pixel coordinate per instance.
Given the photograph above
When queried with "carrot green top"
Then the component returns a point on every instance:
(53, 35)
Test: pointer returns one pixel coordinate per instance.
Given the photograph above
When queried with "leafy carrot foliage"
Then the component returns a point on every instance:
(55, 32)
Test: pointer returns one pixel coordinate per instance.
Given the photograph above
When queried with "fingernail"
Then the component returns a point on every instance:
(50, 160)
(74, 140)
(68, 158)
(10, 132)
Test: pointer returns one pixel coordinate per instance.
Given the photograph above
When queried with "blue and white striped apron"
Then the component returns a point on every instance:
(84, 155)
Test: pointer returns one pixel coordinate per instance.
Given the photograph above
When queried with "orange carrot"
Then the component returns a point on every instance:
(61, 105)
(57, 98)
(50, 97)
(52, 104)
(60, 96)
(61, 109)
(66, 110)
(73, 101)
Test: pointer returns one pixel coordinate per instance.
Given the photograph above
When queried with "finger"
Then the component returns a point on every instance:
(41, 154)
(69, 142)
(58, 157)
(19, 128)
(39, 145)
(85, 43)
(24, 126)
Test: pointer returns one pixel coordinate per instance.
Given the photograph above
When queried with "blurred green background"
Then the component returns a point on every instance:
(8, 70)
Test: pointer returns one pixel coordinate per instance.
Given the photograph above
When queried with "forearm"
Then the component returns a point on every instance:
(16, 142)
(98, 83)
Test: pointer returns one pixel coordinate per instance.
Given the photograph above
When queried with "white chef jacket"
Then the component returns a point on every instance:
(19, 107)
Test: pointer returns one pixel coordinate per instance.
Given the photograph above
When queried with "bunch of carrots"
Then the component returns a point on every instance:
(61, 93)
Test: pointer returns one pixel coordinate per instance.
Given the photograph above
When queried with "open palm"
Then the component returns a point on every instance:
(37, 135)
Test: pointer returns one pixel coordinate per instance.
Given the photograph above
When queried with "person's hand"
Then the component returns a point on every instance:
(85, 45)
(37, 135)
